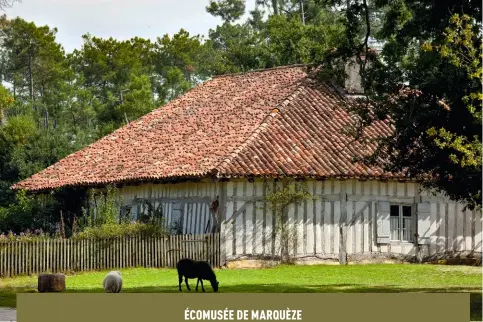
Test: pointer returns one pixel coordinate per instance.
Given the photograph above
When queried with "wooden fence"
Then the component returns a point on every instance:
(66, 255)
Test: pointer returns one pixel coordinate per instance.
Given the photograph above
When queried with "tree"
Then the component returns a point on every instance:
(281, 39)
(180, 63)
(32, 62)
(137, 99)
(304, 10)
(5, 101)
(4, 4)
(49, 118)
(236, 48)
(227, 10)
(464, 50)
(292, 42)
(27, 213)
(272, 5)
(430, 97)
(107, 70)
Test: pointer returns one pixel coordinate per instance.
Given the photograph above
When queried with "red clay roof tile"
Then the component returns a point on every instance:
(263, 123)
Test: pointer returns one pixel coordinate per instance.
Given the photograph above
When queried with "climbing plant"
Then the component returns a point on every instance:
(279, 201)
(103, 207)
(150, 213)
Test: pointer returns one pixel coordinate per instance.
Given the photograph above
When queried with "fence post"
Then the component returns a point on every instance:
(222, 241)
(206, 249)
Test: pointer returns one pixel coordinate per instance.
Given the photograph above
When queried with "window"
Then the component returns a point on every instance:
(401, 223)
(176, 225)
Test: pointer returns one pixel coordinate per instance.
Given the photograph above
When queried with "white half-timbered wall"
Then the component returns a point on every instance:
(246, 221)
(185, 202)
(442, 225)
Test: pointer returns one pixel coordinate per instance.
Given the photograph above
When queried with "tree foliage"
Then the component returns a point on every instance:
(427, 80)
(279, 39)
(227, 10)
(7, 4)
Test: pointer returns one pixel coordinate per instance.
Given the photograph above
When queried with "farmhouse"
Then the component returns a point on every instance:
(210, 157)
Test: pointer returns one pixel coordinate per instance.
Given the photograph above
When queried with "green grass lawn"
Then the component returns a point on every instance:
(323, 278)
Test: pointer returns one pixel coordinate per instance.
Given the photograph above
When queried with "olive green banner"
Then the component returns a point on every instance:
(124, 307)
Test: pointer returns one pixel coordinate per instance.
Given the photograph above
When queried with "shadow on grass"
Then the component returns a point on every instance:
(8, 295)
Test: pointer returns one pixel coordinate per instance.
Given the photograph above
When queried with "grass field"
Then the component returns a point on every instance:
(351, 278)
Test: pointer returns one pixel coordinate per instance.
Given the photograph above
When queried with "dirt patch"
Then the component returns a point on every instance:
(251, 263)
(316, 261)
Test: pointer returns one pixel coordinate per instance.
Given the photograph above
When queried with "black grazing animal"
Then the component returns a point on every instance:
(196, 269)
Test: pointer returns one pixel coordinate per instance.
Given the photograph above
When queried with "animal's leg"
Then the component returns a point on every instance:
(180, 280)
(186, 281)
(202, 288)
(197, 282)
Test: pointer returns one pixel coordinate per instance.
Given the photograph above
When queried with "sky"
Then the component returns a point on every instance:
(120, 19)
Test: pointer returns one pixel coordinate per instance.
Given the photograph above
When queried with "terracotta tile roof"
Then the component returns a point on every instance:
(226, 126)
(304, 139)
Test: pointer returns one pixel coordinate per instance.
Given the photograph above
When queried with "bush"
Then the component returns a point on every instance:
(113, 230)
(104, 207)
(28, 212)
(28, 235)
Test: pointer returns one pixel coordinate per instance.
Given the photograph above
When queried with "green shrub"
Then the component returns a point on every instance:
(28, 212)
(102, 219)
(28, 235)
(104, 207)
(113, 230)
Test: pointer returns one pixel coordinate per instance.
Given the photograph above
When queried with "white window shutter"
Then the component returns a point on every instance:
(383, 223)
(424, 223)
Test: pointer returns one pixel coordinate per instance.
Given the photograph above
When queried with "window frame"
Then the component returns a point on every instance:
(400, 206)
(173, 228)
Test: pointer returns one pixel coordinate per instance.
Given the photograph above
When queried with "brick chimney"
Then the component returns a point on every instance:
(353, 83)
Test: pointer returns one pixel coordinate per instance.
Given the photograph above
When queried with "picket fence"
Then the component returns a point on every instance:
(67, 255)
